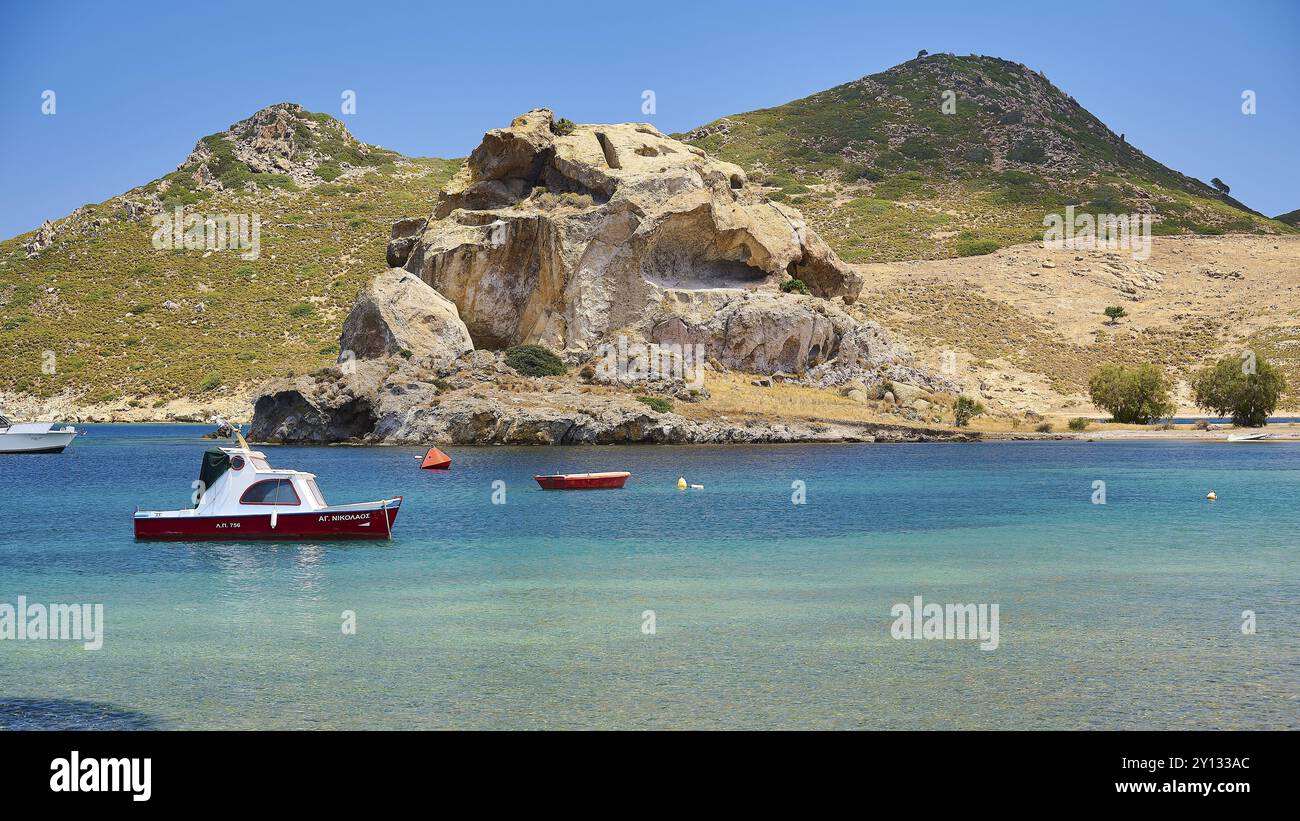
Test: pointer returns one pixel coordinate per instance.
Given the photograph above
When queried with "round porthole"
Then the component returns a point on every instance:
(237, 462)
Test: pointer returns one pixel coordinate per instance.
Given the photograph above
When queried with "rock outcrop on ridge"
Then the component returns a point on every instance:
(282, 139)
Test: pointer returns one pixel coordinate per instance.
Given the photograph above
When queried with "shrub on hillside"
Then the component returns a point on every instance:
(852, 173)
(534, 360)
(1229, 388)
(1080, 423)
(1135, 395)
(918, 149)
(656, 403)
(965, 408)
(976, 247)
(1027, 151)
(794, 286)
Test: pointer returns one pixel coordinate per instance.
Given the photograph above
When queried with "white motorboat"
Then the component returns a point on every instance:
(34, 437)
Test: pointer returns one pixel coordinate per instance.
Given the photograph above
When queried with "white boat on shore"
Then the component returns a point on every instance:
(1247, 437)
(34, 437)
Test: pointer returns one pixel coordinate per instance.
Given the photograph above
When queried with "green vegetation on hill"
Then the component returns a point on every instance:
(124, 320)
(535, 360)
(883, 173)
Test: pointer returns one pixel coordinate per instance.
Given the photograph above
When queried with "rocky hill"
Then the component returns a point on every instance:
(947, 156)
(93, 314)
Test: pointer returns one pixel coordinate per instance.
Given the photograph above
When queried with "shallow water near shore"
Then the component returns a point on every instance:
(767, 614)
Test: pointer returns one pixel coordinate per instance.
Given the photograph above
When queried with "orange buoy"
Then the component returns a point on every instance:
(435, 460)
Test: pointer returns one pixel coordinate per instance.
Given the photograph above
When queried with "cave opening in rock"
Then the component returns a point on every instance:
(689, 252)
(352, 420)
(693, 273)
(736, 182)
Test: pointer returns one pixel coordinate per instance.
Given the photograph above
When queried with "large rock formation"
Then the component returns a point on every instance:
(584, 238)
(565, 239)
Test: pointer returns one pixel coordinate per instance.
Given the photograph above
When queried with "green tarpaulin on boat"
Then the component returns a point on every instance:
(215, 463)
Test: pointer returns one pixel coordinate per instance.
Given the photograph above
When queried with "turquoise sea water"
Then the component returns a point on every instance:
(767, 614)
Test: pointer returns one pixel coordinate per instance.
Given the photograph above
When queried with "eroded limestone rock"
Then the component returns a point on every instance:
(567, 239)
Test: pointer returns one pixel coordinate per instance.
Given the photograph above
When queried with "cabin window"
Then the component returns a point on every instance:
(315, 492)
(270, 492)
(237, 462)
(261, 464)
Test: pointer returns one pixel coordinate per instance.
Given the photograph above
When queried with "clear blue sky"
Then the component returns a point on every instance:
(138, 83)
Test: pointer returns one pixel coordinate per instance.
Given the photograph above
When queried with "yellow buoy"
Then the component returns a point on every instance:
(1211, 496)
(681, 483)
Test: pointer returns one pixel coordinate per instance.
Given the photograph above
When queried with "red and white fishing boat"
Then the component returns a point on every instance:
(242, 497)
(583, 481)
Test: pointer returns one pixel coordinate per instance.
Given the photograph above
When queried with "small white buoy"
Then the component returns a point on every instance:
(1211, 496)
(697, 487)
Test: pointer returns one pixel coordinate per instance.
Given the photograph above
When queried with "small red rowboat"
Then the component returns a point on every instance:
(435, 460)
(242, 497)
(583, 481)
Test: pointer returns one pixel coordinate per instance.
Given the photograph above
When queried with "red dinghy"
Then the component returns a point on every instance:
(245, 498)
(583, 481)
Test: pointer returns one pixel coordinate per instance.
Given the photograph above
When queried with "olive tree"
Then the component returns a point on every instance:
(1247, 388)
(1136, 395)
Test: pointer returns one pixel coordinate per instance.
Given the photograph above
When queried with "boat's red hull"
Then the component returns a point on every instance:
(364, 524)
(583, 481)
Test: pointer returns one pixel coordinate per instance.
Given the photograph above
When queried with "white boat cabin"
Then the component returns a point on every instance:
(240, 481)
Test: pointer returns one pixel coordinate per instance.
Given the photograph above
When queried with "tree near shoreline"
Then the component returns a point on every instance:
(964, 408)
(1230, 387)
(1133, 395)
